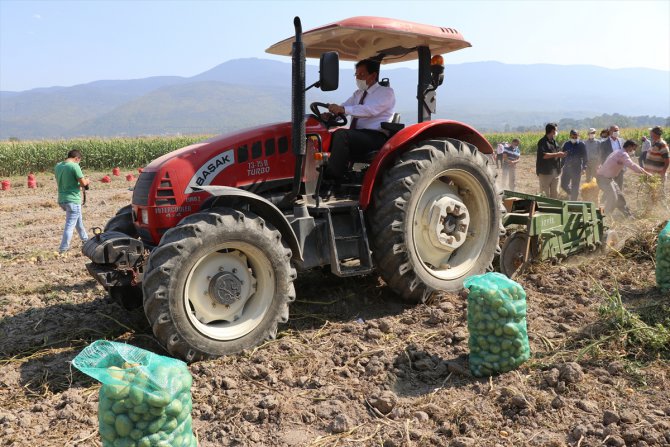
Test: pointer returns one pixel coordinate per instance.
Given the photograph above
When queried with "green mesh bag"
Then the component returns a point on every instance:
(663, 259)
(145, 398)
(497, 324)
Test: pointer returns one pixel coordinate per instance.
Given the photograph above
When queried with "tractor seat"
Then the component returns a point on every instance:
(392, 127)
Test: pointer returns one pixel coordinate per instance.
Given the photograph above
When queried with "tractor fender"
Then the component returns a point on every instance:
(411, 135)
(233, 197)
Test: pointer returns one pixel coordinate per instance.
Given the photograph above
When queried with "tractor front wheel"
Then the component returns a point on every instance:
(436, 219)
(218, 283)
(123, 222)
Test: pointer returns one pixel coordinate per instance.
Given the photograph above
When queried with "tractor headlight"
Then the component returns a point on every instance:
(144, 213)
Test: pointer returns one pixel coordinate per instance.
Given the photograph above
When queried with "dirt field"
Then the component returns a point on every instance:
(354, 366)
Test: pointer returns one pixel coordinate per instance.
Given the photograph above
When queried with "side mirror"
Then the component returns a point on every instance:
(329, 71)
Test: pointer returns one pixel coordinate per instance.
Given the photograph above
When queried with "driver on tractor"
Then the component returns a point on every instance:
(370, 106)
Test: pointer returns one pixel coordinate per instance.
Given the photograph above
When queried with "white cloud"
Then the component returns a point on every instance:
(37, 16)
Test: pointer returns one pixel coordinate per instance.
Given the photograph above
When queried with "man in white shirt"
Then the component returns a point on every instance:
(612, 144)
(592, 153)
(369, 106)
(500, 150)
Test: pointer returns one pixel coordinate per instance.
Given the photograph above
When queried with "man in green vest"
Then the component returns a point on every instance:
(69, 179)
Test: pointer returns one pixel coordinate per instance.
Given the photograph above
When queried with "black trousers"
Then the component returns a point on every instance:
(349, 145)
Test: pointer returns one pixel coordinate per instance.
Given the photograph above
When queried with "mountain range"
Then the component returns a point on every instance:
(491, 96)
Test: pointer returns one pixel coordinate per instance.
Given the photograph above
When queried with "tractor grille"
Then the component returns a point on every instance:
(164, 192)
(142, 188)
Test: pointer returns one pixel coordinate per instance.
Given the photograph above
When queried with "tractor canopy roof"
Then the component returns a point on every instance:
(364, 37)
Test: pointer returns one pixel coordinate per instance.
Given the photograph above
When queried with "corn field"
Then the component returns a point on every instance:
(20, 158)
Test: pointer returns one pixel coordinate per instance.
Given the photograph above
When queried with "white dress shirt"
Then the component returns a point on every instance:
(616, 144)
(377, 107)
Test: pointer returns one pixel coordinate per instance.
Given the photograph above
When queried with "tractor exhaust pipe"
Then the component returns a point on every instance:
(298, 105)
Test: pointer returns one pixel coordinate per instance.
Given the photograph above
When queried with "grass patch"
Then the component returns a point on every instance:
(643, 333)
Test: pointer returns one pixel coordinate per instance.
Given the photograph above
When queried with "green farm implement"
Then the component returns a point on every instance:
(540, 228)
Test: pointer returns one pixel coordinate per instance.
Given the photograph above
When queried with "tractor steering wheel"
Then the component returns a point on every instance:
(333, 121)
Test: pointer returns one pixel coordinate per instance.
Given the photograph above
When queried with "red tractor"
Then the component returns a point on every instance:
(218, 230)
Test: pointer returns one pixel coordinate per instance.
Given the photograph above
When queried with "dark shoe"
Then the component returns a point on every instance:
(329, 189)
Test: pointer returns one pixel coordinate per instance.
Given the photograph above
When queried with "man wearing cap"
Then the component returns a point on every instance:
(511, 157)
(658, 159)
(574, 164)
(609, 145)
(592, 154)
(548, 163)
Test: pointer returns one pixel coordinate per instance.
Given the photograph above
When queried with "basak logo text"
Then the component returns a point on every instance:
(210, 169)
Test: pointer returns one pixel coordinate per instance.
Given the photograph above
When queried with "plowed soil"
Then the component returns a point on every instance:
(354, 366)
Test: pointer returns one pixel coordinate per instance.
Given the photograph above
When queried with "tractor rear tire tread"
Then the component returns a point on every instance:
(388, 211)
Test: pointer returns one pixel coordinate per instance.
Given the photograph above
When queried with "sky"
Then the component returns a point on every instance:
(65, 43)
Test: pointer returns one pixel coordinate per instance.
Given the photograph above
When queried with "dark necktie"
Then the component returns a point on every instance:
(354, 120)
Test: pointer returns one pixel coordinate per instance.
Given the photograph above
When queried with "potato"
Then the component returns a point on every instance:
(158, 399)
(116, 392)
(170, 425)
(156, 425)
(136, 434)
(123, 425)
(174, 408)
(136, 395)
(107, 417)
(107, 432)
(119, 407)
(124, 442)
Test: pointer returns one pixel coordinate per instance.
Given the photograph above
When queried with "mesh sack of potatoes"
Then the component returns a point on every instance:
(663, 259)
(145, 398)
(497, 324)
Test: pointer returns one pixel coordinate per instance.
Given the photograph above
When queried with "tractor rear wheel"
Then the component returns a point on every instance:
(217, 284)
(436, 219)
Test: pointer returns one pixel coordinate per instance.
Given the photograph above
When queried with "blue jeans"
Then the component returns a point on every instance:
(73, 220)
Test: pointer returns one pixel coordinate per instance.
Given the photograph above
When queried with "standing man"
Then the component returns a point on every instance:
(548, 164)
(370, 106)
(658, 159)
(500, 150)
(69, 179)
(592, 154)
(609, 145)
(511, 157)
(646, 145)
(574, 164)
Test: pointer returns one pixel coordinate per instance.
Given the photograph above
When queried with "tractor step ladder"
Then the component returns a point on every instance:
(359, 235)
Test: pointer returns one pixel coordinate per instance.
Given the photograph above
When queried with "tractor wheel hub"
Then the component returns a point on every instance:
(448, 221)
(225, 288)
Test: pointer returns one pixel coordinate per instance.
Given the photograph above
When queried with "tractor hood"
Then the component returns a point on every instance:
(390, 40)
